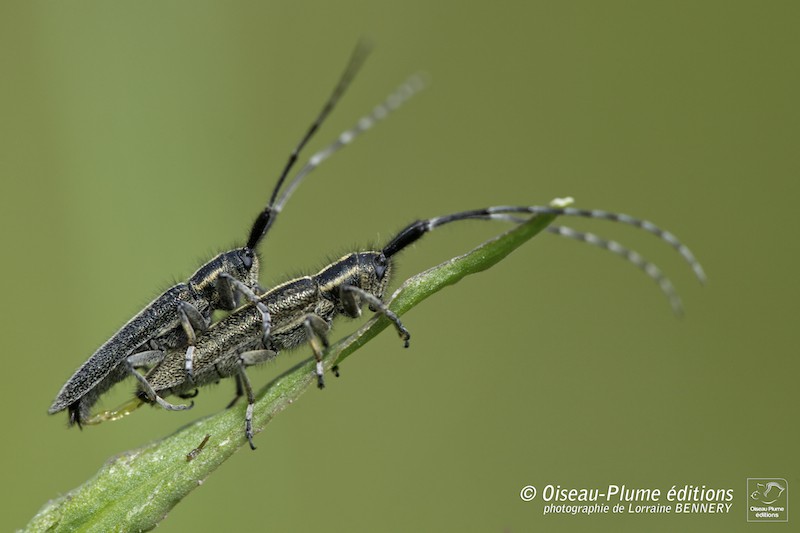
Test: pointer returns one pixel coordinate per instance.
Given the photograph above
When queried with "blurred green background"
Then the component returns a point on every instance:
(138, 138)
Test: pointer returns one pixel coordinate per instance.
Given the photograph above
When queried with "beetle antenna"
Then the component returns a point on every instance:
(265, 218)
(404, 92)
(416, 230)
(631, 256)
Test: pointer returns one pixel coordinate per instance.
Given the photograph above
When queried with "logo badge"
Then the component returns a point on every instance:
(767, 499)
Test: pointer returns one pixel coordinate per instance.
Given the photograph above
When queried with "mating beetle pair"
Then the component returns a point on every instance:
(173, 338)
(173, 319)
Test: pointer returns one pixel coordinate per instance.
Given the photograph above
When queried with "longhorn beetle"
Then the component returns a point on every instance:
(302, 310)
(172, 320)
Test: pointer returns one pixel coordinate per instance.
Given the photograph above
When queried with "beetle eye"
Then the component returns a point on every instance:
(247, 258)
(381, 263)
